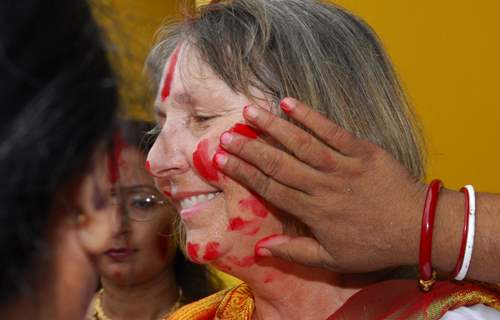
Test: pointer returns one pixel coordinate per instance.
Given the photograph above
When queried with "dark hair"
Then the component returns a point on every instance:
(58, 104)
(195, 281)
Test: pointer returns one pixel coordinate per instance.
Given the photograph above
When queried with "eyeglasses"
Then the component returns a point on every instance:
(140, 203)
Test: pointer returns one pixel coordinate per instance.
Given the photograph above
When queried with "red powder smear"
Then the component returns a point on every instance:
(203, 163)
(192, 249)
(245, 130)
(114, 158)
(253, 231)
(255, 205)
(147, 166)
(211, 251)
(244, 262)
(223, 267)
(168, 194)
(268, 278)
(237, 223)
(169, 76)
(259, 243)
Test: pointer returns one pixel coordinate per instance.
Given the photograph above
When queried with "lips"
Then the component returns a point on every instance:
(120, 254)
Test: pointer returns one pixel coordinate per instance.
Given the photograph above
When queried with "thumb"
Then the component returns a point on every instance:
(303, 250)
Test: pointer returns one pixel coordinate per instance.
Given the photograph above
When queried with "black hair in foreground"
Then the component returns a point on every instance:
(57, 104)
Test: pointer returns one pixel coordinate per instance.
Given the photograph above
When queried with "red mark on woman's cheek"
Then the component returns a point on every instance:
(169, 75)
(253, 231)
(236, 224)
(114, 158)
(211, 251)
(245, 130)
(246, 227)
(244, 262)
(192, 250)
(203, 163)
(255, 205)
(147, 166)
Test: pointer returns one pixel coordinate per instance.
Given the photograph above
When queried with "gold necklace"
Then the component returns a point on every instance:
(101, 315)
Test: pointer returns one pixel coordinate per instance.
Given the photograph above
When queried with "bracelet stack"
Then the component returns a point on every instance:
(427, 274)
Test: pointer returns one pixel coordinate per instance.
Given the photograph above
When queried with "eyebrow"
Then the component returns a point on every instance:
(184, 98)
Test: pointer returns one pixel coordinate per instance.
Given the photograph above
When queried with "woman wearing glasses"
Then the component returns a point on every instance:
(143, 274)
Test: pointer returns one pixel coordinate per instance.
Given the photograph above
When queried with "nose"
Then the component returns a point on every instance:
(120, 224)
(167, 158)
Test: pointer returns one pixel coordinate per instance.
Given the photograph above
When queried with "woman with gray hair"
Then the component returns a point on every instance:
(245, 56)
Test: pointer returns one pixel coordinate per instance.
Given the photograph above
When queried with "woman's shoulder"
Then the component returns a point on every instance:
(234, 301)
(403, 298)
(202, 309)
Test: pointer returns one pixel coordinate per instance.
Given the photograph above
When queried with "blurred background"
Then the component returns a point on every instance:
(446, 53)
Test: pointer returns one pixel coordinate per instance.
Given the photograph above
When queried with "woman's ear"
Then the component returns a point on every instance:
(93, 198)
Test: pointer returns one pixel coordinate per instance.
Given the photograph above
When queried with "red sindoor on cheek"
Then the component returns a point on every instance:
(254, 205)
(245, 130)
(192, 250)
(169, 75)
(211, 251)
(203, 163)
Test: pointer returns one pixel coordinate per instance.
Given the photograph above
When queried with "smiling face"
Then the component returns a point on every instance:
(222, 220)
(139, 250)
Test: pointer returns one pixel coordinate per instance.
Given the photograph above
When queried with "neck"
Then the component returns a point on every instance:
(147, 300)
(285, 290)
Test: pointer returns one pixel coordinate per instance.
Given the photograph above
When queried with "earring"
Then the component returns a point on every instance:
(81, 219)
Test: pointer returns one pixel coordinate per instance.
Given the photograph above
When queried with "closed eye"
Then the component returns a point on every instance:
(201, 119)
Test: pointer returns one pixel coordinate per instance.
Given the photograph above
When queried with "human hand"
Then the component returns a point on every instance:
(361, 204)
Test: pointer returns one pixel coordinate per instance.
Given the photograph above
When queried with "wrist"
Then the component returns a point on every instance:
(448, 230)
(410, 234)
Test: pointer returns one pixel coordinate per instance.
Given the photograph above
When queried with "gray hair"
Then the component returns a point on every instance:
(316, 52)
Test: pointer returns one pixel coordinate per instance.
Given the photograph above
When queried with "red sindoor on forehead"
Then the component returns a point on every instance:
(114, 157)
(169, 75)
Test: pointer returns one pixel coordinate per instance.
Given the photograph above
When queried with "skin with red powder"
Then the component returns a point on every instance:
(203, 162)
(261, 241)
(169, 75)
(192, 250)
(244, 130)
(244, 262)
(237, 224)
(223, 267)
(269, 278)
(246, 227)
(254, 205)
(211, 251)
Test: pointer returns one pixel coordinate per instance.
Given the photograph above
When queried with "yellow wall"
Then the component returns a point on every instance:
(447, 53)
(131, 26)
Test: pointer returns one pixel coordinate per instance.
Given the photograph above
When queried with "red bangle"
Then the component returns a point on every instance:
(460, 260)
(427, 276)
